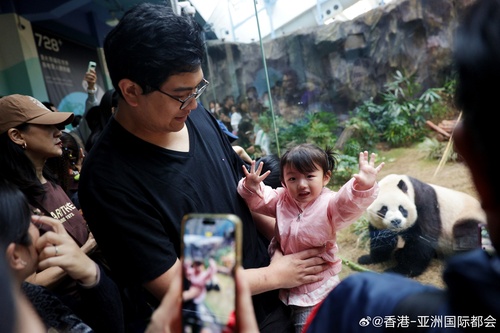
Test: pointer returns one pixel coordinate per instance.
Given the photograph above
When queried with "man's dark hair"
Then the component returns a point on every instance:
(152, 43)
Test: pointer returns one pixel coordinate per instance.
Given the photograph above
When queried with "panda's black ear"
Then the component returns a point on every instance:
(402, 186)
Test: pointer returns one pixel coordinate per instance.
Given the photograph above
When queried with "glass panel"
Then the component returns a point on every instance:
(274, 86)
(282, 93)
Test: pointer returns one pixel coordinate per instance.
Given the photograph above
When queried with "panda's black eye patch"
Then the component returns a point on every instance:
(403, 211)
(382, 211)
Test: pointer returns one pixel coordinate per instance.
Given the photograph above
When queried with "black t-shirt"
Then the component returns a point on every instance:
(134, 194)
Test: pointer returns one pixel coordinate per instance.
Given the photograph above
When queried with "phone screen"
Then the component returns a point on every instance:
(210, 252)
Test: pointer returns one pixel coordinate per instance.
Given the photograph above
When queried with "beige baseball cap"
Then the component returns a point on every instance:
(19, 109)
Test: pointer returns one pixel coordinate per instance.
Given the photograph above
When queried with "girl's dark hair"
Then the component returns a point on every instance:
(15, 216)
(306, 156)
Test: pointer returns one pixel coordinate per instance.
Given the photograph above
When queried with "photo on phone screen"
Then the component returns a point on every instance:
(211, 249)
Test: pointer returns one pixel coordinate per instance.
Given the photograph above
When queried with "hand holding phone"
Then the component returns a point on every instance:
(211, 250)
(167, 318)
(92, 66)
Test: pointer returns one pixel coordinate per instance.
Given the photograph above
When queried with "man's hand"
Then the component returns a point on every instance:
(288, 271)
(299, 268)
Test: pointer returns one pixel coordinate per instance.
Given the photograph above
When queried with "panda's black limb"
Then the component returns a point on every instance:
(382, 246)
(421, 251)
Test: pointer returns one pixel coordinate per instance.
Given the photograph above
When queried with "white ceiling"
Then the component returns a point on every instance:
(232, 20)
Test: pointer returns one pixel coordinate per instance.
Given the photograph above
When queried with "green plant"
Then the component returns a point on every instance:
(360, 228)
(347, 166)
(445, 108)
(400, 118)
(318, 128)
(435, 150)
(365, 134)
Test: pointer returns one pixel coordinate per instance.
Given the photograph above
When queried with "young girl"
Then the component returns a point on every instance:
(308, 214)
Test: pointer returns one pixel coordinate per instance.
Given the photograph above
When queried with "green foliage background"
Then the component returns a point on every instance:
(395, 118)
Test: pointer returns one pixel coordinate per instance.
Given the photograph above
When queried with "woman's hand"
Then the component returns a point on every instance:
(167, 319)
(57, 248)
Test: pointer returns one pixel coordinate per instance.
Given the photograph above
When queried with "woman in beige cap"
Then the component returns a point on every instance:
(29, 135)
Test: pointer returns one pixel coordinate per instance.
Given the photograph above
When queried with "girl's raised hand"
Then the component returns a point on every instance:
(253, 177)
(367, 175)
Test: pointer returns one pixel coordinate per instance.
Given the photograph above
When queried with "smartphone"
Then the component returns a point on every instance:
(210, 252)
(92, 65)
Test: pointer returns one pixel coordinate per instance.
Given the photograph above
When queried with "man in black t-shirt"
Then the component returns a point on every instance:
(163, 155)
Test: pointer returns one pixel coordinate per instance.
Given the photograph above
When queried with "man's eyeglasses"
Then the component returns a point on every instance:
(185, 102)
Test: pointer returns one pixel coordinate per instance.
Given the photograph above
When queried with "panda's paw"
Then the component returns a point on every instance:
(406, 271)
(398, 270)
(365, 260)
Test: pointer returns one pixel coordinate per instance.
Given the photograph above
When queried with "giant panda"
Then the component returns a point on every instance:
(413, 222)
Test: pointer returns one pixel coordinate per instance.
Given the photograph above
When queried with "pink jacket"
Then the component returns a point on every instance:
(316, 225)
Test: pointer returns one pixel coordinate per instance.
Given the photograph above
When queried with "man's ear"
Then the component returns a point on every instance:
(14, 257)
(130, 91)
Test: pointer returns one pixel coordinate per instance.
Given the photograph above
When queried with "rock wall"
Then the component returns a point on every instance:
(351, 61)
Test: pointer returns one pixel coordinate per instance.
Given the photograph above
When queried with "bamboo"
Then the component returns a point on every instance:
(444, 158)
(355, 266)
